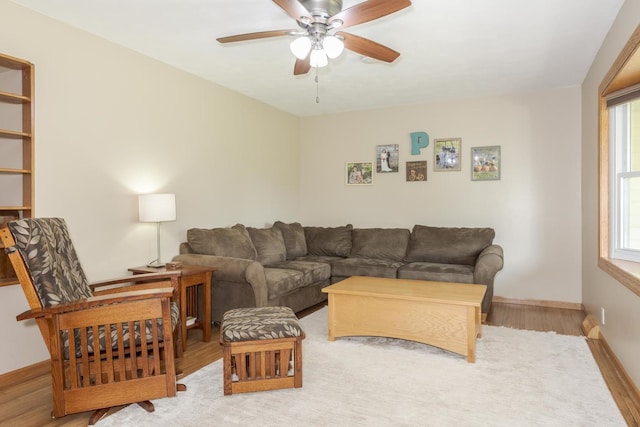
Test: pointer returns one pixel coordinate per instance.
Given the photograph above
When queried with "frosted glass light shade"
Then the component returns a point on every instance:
(157, 207)
(300, 47)
(333, 46)
(318, 58)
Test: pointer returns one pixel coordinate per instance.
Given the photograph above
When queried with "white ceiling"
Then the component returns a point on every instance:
(449, 48)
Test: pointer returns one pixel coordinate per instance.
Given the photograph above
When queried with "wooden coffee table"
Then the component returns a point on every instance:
(445, 315)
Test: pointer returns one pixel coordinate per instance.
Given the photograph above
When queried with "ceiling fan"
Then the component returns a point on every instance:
(317, 39)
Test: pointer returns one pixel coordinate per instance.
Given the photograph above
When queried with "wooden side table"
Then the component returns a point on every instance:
(190, 276)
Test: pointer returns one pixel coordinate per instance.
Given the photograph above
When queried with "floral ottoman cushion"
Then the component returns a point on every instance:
(260, 323)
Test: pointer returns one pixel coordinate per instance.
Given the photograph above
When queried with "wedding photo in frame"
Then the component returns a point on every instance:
(485, 163)
(446, 154)
(387, 158)
(417, 171)
(359, 173)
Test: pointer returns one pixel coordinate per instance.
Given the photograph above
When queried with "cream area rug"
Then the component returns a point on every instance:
(520, 378)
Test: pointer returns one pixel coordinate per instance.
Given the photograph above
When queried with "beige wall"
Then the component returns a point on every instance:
(622, 307)
(110, 124)
(534, 208)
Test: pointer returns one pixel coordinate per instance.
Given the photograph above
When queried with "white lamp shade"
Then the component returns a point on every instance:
(333, 46)
(318, 58)
(300, 47)
(157, 207)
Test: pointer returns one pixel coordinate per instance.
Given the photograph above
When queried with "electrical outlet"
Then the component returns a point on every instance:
(602, 315)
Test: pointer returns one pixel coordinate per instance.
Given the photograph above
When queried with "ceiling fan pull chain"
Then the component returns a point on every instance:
(317, 87)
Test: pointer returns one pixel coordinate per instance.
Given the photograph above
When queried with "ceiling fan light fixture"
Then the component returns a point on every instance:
(319, 58)
(300, 47)
(333, 46)
(336, 23)
(317, 19)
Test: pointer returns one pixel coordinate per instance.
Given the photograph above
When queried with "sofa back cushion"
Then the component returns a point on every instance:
(329, 241)
(380, 243)
(269, 245)
(294, 240)
(448, 245)
(232, 242)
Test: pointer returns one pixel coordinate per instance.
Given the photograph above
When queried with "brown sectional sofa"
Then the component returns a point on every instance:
(289, 264)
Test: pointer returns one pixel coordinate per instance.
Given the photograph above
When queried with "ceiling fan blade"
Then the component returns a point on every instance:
(302, 66)
(294, 9)
(254, 36)
(368, 47)
(368, 11)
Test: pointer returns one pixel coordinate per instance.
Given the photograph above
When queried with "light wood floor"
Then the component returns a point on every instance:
(28, 402)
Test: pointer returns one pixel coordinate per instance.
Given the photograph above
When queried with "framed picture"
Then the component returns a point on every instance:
(387, 158)
(485, 163)
(417, 171)
(446, 154)
(359, 173)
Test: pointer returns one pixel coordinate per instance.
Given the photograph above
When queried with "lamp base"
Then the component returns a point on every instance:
(156, 264)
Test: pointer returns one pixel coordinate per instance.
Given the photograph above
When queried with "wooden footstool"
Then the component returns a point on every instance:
(262, 349)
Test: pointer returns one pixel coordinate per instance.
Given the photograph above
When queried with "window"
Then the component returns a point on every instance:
(619, 167)
(624, 146)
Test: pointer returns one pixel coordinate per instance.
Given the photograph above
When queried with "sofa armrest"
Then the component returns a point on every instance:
(229, 269)
(185, 248)
(489, 262)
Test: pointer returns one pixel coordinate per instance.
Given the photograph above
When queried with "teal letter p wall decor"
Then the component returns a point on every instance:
(418, 140)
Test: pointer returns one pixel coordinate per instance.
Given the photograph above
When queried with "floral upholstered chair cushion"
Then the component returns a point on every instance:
(46, 247)
(260, 323)
(51, 259)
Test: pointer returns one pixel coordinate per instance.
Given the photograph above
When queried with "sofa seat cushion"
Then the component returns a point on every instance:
(458, 273)
(447, 245)
(269, 244)
(313, 271)
(380, 243)
(320, 258)
(281, 281)
(365, 267)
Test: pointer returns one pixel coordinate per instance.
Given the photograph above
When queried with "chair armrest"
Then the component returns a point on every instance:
(137, 281)
(98, 301)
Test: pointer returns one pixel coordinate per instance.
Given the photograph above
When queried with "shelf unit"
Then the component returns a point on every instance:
(16, 148)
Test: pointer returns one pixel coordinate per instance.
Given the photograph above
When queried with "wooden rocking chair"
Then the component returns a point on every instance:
(108, 347)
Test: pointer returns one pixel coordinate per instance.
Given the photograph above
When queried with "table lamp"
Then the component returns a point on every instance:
(157, 208)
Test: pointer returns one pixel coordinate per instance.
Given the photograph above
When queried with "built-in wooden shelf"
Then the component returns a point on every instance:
(15, 208)
(13, 98)
(17, 88)
(14, 134)
(9, 282)
(14, 171)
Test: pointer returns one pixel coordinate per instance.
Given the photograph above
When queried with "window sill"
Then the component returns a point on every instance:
(625, 272)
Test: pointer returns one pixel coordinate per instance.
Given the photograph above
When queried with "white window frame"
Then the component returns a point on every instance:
(619, 145)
